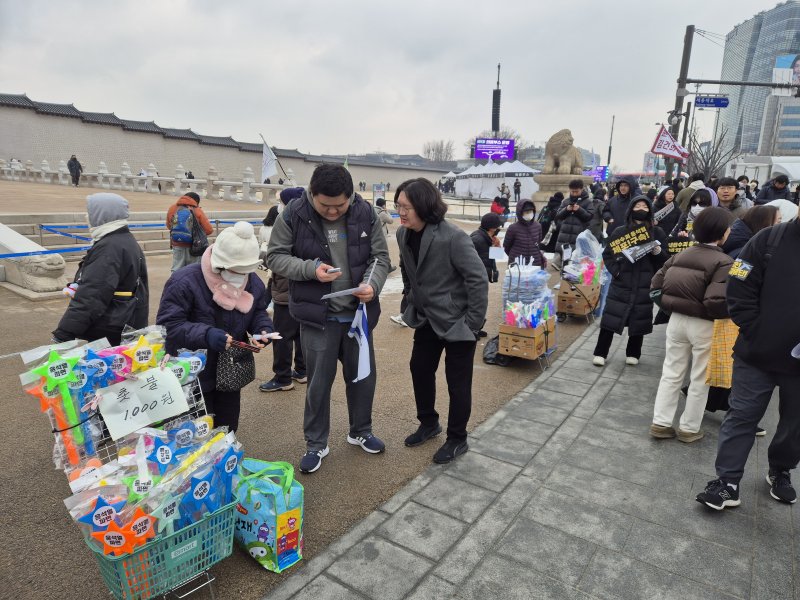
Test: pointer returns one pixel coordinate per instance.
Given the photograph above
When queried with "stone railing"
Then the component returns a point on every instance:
(246, 190)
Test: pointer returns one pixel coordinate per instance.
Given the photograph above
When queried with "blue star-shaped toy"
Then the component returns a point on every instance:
(183, 434)
(226, 468)
(163, 455)
(102, 514)
(201, 494)
(104, 376)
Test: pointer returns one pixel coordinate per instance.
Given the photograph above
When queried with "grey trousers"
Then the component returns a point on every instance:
(181, 258)
(322, 350)
(751, 392)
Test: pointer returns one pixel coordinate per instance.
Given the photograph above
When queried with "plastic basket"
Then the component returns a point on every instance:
(167, 563)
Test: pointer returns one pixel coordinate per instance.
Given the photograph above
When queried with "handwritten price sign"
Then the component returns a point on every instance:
(129, 405)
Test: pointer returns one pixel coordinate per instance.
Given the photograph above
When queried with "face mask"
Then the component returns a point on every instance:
(528, 216)
(696, 210)
(641, 215)
(235, 279)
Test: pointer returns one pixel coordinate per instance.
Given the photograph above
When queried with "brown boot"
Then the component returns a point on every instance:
(662, 433)
(690, 436)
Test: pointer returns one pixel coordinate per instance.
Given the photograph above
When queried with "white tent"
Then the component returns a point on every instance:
(449, 175)
(484, 181)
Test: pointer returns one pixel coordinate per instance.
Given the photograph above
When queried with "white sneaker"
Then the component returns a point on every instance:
(631, 361)
(598, 361)
(398, 319)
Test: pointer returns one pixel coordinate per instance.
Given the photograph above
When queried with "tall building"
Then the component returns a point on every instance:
(750, 53)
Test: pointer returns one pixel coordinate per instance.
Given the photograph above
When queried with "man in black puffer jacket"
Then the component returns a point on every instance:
(763, 287)
(111, 282)
(573, 217)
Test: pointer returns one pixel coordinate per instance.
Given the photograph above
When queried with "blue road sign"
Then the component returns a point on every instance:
(711, 102)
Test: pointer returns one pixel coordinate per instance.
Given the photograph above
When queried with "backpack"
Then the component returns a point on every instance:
(182, 224)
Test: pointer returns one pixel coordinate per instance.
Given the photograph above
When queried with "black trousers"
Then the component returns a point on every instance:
(751, 393)
(282, 349)
(606, 336)
(458, 362)
(76, 178)
(225, 406)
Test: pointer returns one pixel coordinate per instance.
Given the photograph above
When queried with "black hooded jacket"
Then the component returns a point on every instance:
(629, 304)
(738, 238)
(616, 208)
(668, 223)
(572, 223)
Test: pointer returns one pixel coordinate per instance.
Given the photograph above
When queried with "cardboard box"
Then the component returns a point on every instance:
(525, 342)
(575, 299)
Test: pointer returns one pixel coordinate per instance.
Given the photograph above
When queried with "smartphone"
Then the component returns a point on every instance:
(334, 270)
(245, 346)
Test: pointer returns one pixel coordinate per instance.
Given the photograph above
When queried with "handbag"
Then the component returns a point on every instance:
(199, 238)
(236, 367)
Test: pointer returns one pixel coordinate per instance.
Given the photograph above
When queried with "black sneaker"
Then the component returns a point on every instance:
(312, 460)
(719, 494)
(275, 386)
(451, 450)
(422, 435)
(299, 376)
(781, 486)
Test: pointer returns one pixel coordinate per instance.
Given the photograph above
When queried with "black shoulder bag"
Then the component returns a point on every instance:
(236, 367)
(199, 237)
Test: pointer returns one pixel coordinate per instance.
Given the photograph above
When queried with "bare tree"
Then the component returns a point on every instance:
(711, 157)
(439, 150)
(505, 133)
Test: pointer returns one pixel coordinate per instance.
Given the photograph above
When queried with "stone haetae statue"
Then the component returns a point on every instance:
(561, 156)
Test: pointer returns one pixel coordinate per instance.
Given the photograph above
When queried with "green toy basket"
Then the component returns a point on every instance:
(167, 563)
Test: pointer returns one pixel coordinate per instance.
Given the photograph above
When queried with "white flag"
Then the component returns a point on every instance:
(269, 162)
(359, 330)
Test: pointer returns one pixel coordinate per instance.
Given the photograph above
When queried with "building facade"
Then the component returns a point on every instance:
(750, 53)
(38, 131)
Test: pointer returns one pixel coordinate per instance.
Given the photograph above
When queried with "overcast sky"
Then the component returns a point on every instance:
(359, 76)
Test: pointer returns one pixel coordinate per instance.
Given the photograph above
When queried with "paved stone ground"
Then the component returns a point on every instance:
(564, 495)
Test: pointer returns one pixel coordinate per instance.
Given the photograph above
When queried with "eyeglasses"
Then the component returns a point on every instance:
(403, 209)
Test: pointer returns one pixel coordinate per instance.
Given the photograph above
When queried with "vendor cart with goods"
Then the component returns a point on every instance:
(528, 326)
(153, 481)
(582, 276)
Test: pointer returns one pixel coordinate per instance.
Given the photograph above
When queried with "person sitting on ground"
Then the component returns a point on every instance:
(692, 286)
(522, 238)
(180, 222)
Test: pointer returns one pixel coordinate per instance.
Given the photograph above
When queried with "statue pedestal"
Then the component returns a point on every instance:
(552, 183)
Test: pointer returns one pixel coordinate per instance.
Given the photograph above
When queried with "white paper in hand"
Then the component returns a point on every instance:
(497, 253)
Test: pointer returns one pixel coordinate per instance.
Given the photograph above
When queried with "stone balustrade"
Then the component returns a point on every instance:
(246, 190)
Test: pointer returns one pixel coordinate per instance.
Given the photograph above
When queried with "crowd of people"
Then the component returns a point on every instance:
(729, 333)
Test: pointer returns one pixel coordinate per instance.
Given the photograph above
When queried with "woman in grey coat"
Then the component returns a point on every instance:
(447, 299)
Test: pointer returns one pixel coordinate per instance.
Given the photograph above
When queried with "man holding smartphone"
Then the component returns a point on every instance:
(330, 240)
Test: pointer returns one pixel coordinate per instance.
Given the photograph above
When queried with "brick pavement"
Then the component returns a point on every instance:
(564, 495)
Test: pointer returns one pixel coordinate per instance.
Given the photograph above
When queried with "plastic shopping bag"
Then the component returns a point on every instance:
(270, 520)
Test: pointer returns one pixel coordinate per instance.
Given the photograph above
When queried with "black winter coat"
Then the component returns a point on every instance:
(571, 224)
(114, 263)
(482, 242)
(668, 223)
(629, 304)
(616, 208)
(738, 238)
